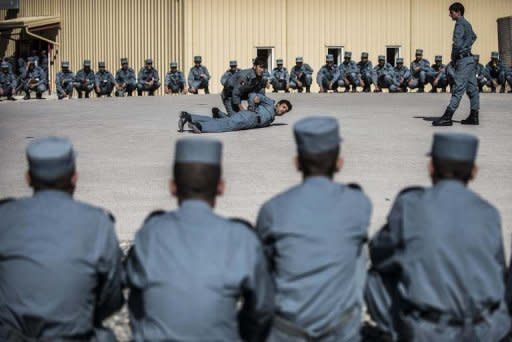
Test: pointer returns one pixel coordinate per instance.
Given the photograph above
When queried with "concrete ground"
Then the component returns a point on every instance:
(125, 148)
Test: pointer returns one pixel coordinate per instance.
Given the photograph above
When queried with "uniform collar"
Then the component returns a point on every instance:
(316, 180)
(195, 205)
(449, 183)
(52, 193)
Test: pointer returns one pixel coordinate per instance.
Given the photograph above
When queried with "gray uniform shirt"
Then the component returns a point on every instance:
(126, 76)
(463, 38)
(313, 236)
(104, 78)
(242, 84)
(187, 270)
(83, 77)
(447, 243)
(7, 79)
(60, 266)
(297, 72)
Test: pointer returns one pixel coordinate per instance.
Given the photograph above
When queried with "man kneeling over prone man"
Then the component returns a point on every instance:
(265, 111)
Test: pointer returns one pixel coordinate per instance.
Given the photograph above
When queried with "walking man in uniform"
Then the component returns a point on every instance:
(438, 265)
(465, 70)
(314, 236)
(60, 264)
(189, 269)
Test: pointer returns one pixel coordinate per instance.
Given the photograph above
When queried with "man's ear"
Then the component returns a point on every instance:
(74, 179)
(339, 163)
(173, 189)
(28, 179)
(221, 187)
(474, 172)
(297, 164)
(431, 168)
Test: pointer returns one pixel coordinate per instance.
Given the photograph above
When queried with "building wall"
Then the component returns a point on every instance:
(221, 30)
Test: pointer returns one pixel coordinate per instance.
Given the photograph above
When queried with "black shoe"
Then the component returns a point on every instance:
(472, 119)
(184, 118)
(26, 97)
(433, 90)
(215, 113)
(10, 98)
(445, 120)
(444, 90)
(502, 90)
(206, 91)
(370, 333)
(286, 91)
(86, 95)
(151, 93)
(493, 90)
(139, 92)
(195, 127)
(274, 91)
(60, 97)
(354, 89)
(421, 90)
(308, 89)
(80, 95)
(299, 90)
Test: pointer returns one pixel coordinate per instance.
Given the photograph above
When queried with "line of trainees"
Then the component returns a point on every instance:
(436, 269)
(347, 76)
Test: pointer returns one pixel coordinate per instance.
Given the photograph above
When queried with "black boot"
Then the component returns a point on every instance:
(215, 113)
(445, 120)
(184, 118)
(472, 119)
(195, 127)
(27, 96)
(207, 90)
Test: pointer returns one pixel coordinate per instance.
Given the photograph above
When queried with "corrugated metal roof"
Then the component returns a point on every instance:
(29, 22)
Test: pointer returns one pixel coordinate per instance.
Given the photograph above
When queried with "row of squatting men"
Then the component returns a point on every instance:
(400, 78)
(438, 270)
(126, 82)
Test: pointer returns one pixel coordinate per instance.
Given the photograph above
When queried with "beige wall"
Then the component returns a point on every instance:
(221, 30)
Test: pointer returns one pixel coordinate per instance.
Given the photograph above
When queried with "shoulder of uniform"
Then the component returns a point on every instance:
(411, 189)
(110, 215)
(355, 186)
(243, 222)
(6, 200)
(153, 214)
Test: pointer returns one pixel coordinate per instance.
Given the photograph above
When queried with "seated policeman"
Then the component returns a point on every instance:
(60, 261)
(314, 234)
(438, 265)
(189, 268)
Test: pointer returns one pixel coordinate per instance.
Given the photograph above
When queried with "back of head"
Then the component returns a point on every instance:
(318, 145)
(51, 164)
(197, 168)
(453, 156)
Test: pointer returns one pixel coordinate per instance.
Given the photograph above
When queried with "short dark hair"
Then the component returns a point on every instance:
(457, 7)
(452, 169)
(287, 103)
(196, 180)
(260, 62)
(319, 164)
(62, 183)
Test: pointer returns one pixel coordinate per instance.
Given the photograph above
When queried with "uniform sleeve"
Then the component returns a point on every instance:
(224, 79)
(236, 94)
(319, 75)
(255, 316)
(140, 77)
(263, 230)
(207, 73)
(97, 80)
(388, 240)
(58, 82)
(156, 76)
(190, 78)
(110, 274)
(458, 39)
(309, 70)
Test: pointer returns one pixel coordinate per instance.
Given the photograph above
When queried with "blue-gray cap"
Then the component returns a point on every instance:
(198, 150)
(317, 134)
(329, 58)
(454, 146)
(50, 158)
(4, 65)
(382, 58)
(233, 63)
(299, 60)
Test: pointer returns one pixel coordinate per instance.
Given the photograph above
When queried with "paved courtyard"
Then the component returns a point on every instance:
(125, 147)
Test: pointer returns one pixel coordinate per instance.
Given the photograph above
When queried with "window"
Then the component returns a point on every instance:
(267, 54)
(337, 53)
(392, 53)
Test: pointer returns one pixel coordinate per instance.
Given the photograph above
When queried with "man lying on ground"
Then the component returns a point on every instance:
(265, 111)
